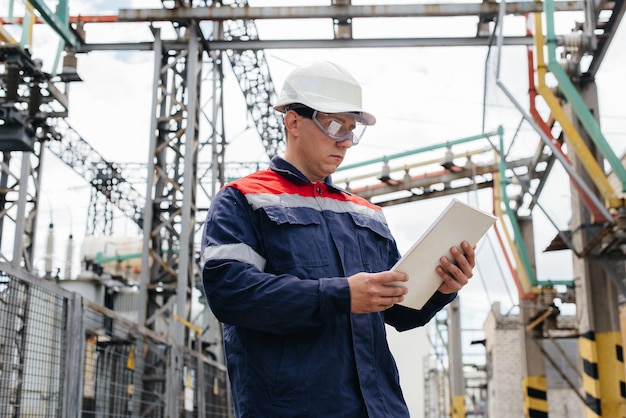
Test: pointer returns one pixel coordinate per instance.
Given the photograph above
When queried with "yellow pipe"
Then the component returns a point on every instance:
(188, 324)
(577, 144)
(6, 36)
(524, 281)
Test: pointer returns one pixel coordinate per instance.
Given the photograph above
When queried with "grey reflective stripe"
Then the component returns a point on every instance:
(239, 252)
(318, 203)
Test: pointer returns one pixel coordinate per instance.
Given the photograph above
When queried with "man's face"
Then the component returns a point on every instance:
(311, 150)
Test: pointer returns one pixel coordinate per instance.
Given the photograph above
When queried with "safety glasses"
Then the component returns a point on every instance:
(340, 126)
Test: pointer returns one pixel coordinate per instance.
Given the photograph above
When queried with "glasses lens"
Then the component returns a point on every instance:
(340, 126)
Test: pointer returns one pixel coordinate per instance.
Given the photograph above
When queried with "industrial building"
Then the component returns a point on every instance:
(119, 121)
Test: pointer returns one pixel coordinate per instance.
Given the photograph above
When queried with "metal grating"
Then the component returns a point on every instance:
(62, 356)
(32, 344)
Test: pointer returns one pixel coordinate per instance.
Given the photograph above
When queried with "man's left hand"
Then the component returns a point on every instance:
(456, 274)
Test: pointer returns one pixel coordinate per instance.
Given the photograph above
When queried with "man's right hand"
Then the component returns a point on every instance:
(370, 292)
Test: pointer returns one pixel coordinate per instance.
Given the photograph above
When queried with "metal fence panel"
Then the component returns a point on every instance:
(62, 356)
(32, 344)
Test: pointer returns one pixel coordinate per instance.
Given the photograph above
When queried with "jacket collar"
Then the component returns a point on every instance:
(286, 169)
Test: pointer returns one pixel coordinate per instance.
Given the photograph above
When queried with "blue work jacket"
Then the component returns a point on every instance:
(277, 251)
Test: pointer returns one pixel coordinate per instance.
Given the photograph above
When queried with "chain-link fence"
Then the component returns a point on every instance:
(64, 356)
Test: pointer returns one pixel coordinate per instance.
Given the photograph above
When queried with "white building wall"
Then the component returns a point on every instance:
(409, 349)
(504, 369)
(564, 403)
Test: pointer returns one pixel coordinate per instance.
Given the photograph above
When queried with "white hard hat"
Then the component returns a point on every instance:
(325, 87)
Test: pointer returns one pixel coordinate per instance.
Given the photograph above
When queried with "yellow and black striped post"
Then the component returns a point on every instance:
(603, 374)
(535, 397)
(458, 407)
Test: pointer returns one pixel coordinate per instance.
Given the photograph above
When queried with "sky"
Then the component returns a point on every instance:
(420, 96)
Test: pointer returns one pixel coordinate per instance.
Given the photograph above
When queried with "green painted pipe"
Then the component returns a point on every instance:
(516, 229)
(573, 97)
(58, 22)
(511, 214)
(101, 259)
(417, 151)
(27, 22)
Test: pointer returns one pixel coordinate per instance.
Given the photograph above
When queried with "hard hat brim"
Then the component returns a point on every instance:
(362, 116)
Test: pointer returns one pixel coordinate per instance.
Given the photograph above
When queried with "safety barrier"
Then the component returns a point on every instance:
(64, 356)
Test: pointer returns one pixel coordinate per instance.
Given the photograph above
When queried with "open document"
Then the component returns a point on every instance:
(458, 222)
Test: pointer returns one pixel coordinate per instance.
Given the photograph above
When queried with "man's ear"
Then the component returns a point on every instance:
(292, 123)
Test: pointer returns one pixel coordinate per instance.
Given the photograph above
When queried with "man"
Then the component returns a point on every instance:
(297, 269)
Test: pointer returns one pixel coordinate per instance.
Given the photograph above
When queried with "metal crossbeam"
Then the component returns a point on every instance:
(337, 11)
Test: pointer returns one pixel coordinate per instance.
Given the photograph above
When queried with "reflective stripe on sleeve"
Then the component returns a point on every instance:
(296, 201)
(240, 252)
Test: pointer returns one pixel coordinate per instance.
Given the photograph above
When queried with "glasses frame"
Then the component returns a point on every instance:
(352, 135)
(312, 114)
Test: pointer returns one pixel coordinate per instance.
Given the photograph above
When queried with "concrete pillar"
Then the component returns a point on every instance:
(457, 378)
(534, 384)
(600, 339)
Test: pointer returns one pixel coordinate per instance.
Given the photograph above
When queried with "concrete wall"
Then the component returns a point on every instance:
(504, 370)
